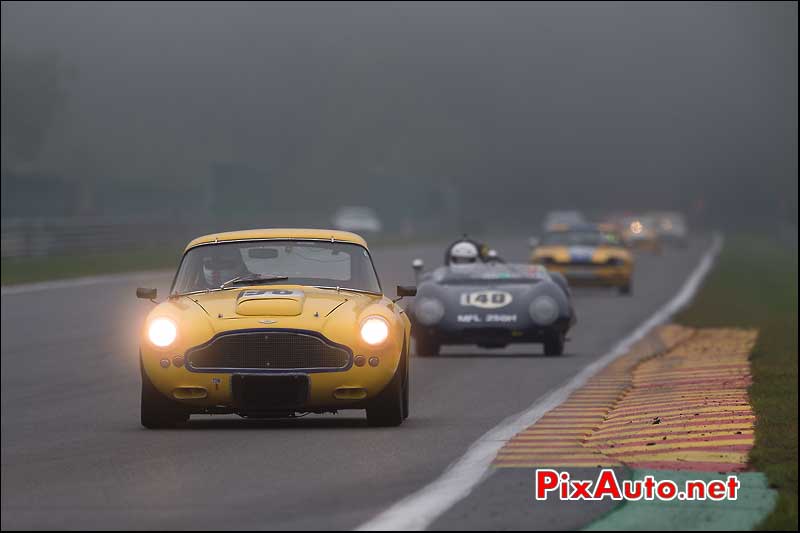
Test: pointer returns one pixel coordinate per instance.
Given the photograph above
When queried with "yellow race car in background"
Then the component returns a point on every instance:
(586, 255)
(641, 233)
(271, 323)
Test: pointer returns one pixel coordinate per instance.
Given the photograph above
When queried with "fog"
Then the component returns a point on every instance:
(483, 113)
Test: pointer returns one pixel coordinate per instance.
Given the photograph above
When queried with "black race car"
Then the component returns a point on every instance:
(492, 305)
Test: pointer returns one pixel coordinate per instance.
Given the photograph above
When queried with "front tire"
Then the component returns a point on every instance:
(626, 289)
(427, 346)
(387, 410)
(157, 411)
(553, 343)
(406, 387)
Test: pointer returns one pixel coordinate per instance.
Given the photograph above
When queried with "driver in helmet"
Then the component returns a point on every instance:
(223, 263)
(467, 246)
(463, 253)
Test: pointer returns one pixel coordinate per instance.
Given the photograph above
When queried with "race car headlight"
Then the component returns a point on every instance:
(543, 310)
(162, 332)
(374, 330)
(429, 311)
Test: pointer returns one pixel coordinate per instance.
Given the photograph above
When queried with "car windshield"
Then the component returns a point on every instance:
(481, 274)
(670, 221)
(286, 262)
(564, 217)
(580, 238)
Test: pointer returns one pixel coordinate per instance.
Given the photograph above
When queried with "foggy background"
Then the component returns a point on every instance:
(456, 116)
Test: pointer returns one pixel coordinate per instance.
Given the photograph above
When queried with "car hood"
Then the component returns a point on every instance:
(287, 306)
(596, 254)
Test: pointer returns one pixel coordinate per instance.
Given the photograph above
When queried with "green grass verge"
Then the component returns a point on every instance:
(754, 285)
(31, 269)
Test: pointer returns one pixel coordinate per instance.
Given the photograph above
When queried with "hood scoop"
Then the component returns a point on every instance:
(270, 302)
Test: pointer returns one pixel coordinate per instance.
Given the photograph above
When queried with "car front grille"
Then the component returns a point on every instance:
(268, 350)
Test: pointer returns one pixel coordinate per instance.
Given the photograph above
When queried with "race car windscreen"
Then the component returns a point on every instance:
(290, 262)
(492, 274)
(580, 238)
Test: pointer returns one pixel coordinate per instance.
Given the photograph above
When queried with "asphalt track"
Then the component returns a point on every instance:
(75, 457)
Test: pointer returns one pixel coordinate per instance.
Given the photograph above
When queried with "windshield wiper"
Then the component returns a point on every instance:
(251, 279)
(346, 289)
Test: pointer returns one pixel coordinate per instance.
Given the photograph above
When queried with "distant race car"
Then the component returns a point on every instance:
(671, 228)
(639, 233)
(586, 255)
(562, 219)
(357, 219)
(490, 304)
(270, 323)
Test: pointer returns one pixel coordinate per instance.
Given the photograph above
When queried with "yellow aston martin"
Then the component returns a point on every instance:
(587, 254)
(275, 323)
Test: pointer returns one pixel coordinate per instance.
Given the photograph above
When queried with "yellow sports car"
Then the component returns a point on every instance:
(272, 323)
(586, 255)
(641, 233)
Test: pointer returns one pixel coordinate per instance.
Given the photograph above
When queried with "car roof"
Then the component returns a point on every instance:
(572, 215)
(666, 214)
(356, 209)
(279, 233)
(566, 228)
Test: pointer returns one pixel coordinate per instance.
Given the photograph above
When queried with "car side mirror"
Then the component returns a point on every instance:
(147, 294)
(417, 264)
(533, 242)
(406, 290)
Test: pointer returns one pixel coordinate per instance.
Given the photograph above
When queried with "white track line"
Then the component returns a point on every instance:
(82, 282)
(418, 510)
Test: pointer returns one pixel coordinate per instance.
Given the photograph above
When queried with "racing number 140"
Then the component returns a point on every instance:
(486, 299)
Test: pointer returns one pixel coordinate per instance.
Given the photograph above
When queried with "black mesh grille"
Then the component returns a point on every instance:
(269, 350)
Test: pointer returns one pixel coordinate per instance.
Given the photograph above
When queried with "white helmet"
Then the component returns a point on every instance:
(221, 265)
(463, 252)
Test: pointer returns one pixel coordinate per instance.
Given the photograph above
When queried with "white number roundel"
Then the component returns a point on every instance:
(486, 299)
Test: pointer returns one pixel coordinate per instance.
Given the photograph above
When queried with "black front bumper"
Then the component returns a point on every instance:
(491, 336)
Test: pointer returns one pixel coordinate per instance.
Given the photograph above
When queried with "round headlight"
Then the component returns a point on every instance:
(162, 332)
(374, 330)
(544, 310)
(428, 311)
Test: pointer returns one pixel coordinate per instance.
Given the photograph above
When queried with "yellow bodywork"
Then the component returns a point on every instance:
(278, 233)
(598, 272)
(337, 315)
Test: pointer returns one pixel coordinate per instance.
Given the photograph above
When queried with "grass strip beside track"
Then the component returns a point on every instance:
(755, 499)
(33, 269)
(754, 285)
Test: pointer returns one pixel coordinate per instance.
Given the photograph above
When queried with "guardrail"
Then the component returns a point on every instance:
(44, 237)
(56, 237)
(70, 236)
